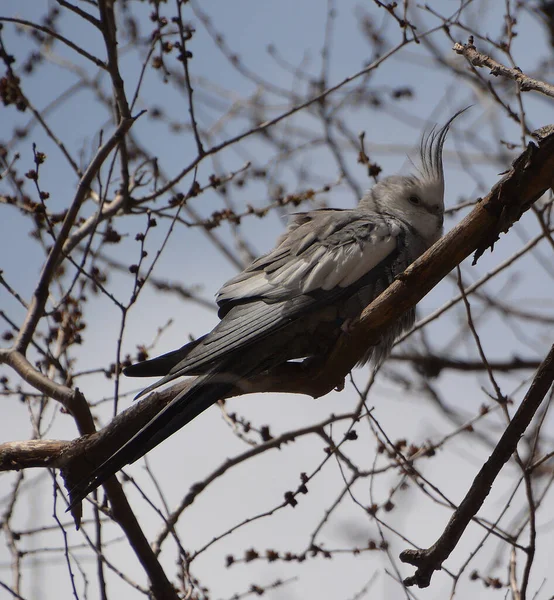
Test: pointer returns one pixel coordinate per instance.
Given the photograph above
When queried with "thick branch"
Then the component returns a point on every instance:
(71, 399)
(15, 456)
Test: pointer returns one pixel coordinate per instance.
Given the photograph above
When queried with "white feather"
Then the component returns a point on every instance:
(289, 275)
(366, 260)
(293, 276)
(253, 286)
(320, 271)
(343, 258)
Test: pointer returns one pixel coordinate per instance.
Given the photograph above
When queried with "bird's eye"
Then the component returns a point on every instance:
(414, 199)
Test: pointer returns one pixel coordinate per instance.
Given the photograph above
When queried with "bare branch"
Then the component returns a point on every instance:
(40, 295)
(429, 560)
(525, 83)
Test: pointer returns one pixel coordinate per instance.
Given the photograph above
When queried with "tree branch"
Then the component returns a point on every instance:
(429, 560)
(40, 295)
(525, 82)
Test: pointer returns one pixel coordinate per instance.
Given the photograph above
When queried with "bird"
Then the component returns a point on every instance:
(298, 300)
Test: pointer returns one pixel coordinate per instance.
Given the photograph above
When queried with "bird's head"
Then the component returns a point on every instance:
(417, 199)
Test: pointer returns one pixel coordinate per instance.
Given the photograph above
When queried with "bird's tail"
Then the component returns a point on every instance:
(188, 404)
(161, 365)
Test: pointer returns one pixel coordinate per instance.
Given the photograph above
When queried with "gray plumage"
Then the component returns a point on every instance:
(299, 299)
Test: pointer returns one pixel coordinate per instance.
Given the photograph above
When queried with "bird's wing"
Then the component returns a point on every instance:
(324, 256)
(321, 250)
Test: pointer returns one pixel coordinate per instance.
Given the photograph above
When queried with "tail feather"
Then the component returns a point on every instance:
(206, 390)
(161, 365)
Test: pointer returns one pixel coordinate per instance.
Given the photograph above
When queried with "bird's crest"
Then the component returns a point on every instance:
(430, 150)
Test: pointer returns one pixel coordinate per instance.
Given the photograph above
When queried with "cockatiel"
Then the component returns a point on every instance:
(298, 300)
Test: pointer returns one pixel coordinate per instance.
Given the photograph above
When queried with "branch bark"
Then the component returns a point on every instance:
(526, 83)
